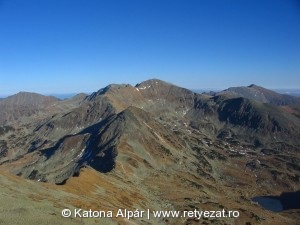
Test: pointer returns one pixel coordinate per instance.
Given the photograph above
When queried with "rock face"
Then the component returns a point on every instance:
(161, 137)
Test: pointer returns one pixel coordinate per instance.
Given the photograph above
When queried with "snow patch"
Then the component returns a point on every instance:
(143, 88)
(81, 153)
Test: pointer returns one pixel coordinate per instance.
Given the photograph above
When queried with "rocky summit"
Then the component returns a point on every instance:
(150, 146)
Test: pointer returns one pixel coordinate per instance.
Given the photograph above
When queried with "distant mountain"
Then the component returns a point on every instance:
(23, 104)
(29, 99)
(181, 149)
(261, 94)
(21, 107)
(292, 92)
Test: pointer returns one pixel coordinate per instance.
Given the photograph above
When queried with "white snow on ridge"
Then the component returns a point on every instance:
(143, 88)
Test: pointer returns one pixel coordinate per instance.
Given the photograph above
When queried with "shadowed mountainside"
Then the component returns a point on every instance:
(182, 149)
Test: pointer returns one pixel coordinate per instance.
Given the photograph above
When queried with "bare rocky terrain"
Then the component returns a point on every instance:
(150, 146)
(261, 94)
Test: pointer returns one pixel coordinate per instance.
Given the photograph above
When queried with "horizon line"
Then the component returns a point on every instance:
(73, 93)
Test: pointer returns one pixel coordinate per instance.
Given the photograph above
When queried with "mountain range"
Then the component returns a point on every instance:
(153, 146)
(261, 94)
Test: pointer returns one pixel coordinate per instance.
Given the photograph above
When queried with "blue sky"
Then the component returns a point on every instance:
(67, 46)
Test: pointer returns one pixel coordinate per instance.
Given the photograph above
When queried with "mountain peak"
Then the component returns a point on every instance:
(23, 103)
(261, 94)
(29, 98)
(152, 82)
(108, 89)
(112, 87)
(252, 85)
(25, 93)
(136, 136)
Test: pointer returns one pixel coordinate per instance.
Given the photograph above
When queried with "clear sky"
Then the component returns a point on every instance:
(67, 46)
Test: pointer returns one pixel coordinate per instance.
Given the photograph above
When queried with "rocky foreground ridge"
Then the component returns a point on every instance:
(183, 150)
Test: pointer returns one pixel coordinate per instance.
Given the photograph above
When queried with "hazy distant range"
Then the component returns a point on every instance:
(294, 92)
